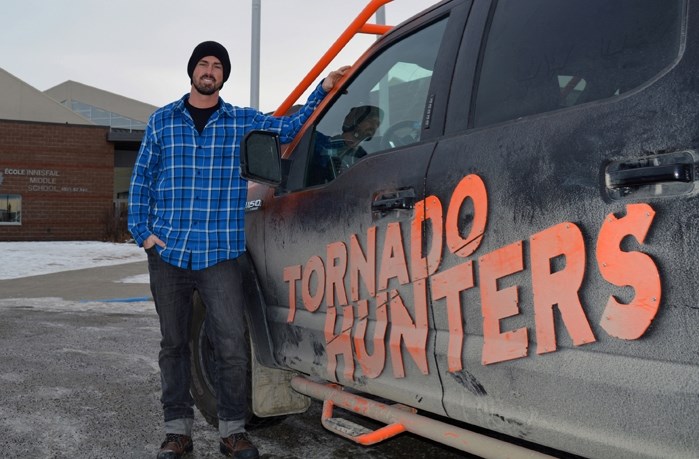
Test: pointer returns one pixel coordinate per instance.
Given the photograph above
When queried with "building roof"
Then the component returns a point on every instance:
(22, 102)
(70, 91)
(70, 102)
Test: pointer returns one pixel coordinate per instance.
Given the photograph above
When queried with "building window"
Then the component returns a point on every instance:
(10, 209)
(104, 117)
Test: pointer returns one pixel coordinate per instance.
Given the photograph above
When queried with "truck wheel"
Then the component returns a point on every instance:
(203, 366)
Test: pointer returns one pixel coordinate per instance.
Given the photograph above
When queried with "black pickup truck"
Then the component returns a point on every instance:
(492, 221)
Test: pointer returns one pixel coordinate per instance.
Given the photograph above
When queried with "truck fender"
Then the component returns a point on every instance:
(272, 394)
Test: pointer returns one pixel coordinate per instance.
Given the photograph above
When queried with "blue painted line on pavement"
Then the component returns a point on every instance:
(120, 300)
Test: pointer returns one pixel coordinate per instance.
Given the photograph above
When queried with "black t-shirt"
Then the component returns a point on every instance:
(200, 115)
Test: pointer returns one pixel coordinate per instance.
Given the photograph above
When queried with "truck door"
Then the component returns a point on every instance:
(346, 286)
(567, 292)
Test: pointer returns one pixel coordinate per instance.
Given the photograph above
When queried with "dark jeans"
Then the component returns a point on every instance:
(220, 289)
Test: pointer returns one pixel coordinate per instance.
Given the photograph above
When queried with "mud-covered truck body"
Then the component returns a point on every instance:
(517, 246)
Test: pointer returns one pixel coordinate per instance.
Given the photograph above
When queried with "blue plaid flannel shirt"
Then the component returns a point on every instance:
(186, 187)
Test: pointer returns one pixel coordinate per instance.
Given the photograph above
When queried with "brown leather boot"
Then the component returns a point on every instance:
(239, 446)
(175, 446)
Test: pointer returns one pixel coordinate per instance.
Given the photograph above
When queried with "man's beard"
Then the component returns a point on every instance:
(206, 89)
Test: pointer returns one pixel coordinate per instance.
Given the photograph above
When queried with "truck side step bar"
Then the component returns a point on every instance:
(357, 433)
(398, 419)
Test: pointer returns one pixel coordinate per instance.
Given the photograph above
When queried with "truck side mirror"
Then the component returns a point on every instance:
(260, 158)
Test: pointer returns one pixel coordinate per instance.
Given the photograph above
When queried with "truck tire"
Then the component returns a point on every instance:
(203, 367)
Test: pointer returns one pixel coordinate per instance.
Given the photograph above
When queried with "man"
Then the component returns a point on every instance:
(360, 125)
(186, 206)
(334, 155)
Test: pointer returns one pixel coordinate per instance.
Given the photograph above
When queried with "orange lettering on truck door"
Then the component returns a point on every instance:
(361, 266)
(499, 304)
(634, 269)
(412, 333)
(340, 343)
(429, 210)
(393, 258)
(372, 364)
(312, 300)
(335, 274)
(564, 243)
(471, 186)
(449, 284)
(291, 275)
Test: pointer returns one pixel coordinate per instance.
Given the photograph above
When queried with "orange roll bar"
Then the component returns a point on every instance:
(359, 25)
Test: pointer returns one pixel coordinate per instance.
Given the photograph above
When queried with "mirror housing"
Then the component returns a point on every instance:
(260, 158)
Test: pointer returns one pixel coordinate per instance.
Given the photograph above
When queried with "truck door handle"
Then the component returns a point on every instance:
(401, 199)
(651, 174)
(665, 174)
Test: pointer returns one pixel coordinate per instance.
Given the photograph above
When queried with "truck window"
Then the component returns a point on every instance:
(382, 108)
(542, 55)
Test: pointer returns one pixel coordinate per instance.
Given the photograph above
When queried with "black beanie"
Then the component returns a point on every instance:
(210, 48)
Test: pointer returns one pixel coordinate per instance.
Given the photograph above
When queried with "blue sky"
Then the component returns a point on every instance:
(139, 49)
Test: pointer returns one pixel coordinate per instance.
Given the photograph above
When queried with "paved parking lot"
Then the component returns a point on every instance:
(80, 378)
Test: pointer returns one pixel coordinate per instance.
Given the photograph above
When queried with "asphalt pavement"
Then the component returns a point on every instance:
(92, 284)
(80, 378)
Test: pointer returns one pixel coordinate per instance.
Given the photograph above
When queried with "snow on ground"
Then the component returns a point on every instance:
(23, 259)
